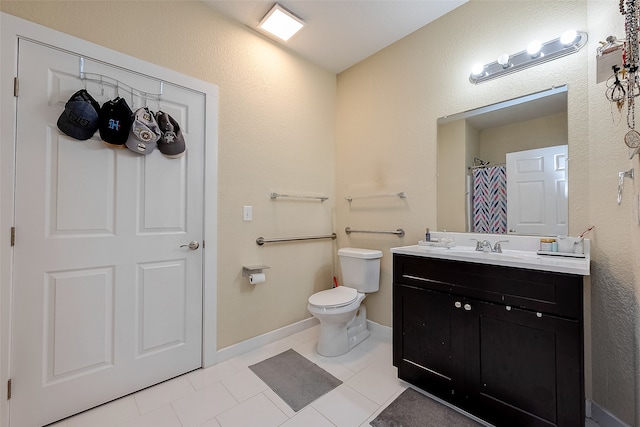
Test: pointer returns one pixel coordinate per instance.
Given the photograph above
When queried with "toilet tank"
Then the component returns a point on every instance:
(360, 268)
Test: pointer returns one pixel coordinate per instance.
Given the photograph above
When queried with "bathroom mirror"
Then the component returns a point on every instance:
(502, 168)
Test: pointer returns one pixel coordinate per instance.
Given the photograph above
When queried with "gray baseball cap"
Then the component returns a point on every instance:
(144, 132)
(171, 143)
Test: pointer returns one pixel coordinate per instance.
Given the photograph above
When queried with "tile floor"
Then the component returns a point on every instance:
(230, 395)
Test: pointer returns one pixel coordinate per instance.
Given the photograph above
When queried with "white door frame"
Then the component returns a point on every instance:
(12, 28)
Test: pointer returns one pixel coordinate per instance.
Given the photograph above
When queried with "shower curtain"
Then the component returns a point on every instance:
(490, 200)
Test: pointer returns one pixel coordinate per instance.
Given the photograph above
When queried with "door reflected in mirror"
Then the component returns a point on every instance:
(503, 168)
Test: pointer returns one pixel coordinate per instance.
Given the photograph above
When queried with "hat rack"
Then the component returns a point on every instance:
(118, 85)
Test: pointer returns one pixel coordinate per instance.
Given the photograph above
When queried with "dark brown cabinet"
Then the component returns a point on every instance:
(503, 343)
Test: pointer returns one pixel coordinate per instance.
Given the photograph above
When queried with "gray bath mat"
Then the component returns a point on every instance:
(294, 378)
(413, 409)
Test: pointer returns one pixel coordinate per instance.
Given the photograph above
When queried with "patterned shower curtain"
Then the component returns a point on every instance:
(490, 200)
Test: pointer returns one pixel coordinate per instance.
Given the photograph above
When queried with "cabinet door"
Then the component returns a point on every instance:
(427, 340)
(529, 368)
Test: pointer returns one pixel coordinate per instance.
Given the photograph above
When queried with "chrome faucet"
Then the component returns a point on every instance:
(497, 248)
(485, 246)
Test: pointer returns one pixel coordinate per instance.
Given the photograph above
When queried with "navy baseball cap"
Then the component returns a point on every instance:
(79, 119)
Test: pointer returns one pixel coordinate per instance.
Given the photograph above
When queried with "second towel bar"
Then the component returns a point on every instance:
(261, 240)
(399, 232)
(401, 194)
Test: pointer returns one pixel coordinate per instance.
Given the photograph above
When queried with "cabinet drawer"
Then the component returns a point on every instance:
(554, 293)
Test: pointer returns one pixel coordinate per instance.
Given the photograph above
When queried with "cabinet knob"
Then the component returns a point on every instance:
(539, 314)
(458, 304)
(467, 307)
(508, 308)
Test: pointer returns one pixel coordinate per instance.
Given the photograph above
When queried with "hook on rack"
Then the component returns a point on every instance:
(103, 80)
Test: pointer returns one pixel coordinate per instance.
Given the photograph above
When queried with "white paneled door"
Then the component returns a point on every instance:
(537, 200)
(107, 294)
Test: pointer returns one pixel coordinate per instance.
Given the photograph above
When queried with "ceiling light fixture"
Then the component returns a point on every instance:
(536, 53)
(281, 23)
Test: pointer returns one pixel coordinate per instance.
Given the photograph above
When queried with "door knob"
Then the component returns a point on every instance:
(192, 245)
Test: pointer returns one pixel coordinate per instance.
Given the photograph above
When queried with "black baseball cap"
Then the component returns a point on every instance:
(79, 119)
(115, 121)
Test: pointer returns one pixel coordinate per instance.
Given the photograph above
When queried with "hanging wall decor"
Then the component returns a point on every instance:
(623, 58)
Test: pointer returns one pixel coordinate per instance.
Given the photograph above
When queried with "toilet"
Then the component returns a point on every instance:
(343, 323)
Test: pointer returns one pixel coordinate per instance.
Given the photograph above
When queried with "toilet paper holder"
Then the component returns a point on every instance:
(248, 270)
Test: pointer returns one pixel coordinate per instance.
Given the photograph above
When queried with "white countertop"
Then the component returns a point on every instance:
(524, 254)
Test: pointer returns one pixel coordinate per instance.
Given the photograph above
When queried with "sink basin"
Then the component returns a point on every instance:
(472, 253)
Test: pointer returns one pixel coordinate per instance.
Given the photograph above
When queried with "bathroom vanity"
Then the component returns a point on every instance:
(498, 335)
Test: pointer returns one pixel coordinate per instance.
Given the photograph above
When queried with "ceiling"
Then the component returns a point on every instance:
(341, 33)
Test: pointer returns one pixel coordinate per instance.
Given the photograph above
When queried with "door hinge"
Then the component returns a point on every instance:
(16, 86)
(13, 236)
(9, 390)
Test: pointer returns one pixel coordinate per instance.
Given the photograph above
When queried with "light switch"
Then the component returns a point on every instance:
(247, 213)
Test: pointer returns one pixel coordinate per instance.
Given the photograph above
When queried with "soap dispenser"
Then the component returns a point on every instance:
(427, 236)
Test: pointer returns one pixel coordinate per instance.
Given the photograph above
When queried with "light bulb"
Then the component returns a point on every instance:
(568, 37)
(477, 69)
(504, 60)
(533, 48)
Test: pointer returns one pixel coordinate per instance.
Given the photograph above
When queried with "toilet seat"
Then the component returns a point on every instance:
(333, 298)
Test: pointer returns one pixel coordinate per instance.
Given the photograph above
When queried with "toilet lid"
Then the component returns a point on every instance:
(335, 297)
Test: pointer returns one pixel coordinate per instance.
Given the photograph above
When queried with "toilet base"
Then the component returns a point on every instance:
(338, 339)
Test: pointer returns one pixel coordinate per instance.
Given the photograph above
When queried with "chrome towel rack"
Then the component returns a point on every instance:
(261, 240)
(401, 195)
(274, 196)
(399, 232)
(104, 80)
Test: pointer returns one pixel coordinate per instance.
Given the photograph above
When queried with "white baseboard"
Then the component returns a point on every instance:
(603, 417)
(264, 339)
(382, 330)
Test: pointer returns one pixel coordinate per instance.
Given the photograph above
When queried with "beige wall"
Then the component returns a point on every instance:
(615, 278)
(272, 137)
(387, 110)
(547, 131)
(451, 167)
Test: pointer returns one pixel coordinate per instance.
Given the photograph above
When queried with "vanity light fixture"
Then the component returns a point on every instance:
(536, 53)
(533, 49)
(281, 23)
(504, 60)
